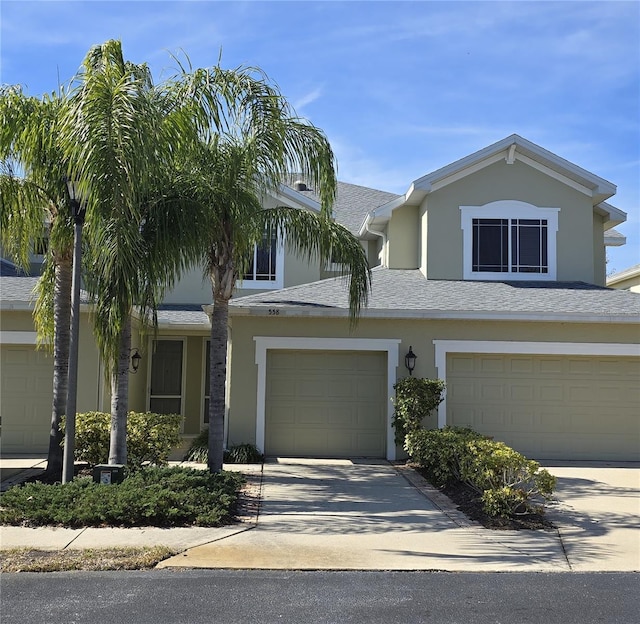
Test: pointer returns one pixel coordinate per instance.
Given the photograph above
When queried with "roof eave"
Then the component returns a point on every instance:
(379, 313)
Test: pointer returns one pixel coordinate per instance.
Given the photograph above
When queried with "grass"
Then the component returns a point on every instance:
(91, 559)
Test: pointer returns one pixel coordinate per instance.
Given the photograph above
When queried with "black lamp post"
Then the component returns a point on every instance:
(410, 360)
(78, 209)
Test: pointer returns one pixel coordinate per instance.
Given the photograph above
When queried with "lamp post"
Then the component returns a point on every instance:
(78, 209)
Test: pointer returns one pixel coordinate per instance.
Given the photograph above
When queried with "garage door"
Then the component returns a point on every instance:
(326, 404)
(27, 390)
(549, 407)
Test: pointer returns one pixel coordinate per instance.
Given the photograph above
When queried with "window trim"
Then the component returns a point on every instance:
(276, 284)
(511, 210)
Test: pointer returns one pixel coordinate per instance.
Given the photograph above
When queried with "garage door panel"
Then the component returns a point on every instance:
(26, 391)
(550, 366)
(569, 408)
(335, 404)
(521, 365)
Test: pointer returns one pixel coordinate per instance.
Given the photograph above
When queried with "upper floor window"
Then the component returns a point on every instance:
(509, 240)
(266, 267)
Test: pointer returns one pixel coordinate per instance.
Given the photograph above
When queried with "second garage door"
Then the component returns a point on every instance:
(27, 389)
(326, 403)
(549, 407)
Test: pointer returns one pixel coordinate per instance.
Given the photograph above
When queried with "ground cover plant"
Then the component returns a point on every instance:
(153, 496)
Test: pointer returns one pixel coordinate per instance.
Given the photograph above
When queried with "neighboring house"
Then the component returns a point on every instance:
(629, 279)
(492, 269)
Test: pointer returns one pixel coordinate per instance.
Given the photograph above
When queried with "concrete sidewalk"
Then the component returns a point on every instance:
(347, 515)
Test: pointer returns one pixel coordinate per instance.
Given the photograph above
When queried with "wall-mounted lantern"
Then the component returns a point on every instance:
(410, 360)
(135, 360)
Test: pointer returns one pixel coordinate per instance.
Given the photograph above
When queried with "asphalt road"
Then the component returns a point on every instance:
(210, 596)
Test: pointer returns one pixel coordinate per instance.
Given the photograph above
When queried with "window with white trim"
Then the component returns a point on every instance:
(509, 240)
(266, 267)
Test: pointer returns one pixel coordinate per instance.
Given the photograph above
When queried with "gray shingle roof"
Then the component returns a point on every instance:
(353, 202)
(183, 315)
(399, 293)
(17, 289)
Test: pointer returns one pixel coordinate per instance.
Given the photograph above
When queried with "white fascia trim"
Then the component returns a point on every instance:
(508, 209)
(290, 195)
(614, 241)
(444, 347)
(266, 343)
(18, 338)
(489, 315)
(382, 214)
(473, 168)
(552, 173)
(614, 215)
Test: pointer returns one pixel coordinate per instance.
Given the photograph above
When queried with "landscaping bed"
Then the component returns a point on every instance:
(470, 504)
(152, 496)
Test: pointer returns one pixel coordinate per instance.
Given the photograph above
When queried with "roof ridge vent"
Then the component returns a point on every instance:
(299, 185)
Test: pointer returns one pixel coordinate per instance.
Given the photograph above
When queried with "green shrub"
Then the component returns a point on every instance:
(243, 454)
(154, 496)
(236, 454)
(199, 448)
(510, 484)
(415, 400)
(438, 452)
(150, 438)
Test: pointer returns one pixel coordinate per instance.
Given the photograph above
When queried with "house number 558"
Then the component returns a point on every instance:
(273, 312)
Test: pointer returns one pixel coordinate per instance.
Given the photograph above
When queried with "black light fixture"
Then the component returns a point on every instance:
(410, 360)
(78, 206)
(135, 360)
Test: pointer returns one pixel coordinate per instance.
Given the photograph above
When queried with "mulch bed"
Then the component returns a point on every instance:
(469, 503)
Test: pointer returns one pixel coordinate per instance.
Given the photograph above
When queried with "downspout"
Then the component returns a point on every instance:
(383, 236)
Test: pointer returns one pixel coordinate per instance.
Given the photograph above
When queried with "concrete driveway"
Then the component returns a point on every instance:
(345, 515)
(597, 513)
(349, 515)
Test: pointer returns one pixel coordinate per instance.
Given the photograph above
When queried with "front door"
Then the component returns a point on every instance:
(165, 396)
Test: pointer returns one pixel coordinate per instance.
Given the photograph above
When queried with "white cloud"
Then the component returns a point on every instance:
(307, 99)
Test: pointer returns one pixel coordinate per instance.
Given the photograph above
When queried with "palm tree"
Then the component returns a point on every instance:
(250, 146)
(120, 136)
(33, 196)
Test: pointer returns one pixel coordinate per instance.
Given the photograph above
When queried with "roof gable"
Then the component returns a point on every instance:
(511, 149)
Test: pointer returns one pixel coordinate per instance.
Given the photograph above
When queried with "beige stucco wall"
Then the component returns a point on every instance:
(193, 375)
(416, 333)
(402, 233)
(500, 181)
(599, 251)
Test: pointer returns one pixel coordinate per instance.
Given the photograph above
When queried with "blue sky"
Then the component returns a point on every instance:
(400, 88)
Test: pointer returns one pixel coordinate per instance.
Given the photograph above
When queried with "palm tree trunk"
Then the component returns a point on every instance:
(120, 400)
(61, 339)
(217, 379)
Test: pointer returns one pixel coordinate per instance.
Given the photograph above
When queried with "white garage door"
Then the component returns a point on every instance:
(25, 403)
(549, 407)
(326, 403)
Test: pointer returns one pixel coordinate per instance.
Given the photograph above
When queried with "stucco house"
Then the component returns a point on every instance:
(629, 279)
(491, 269)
